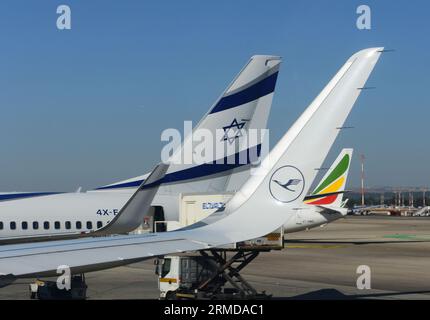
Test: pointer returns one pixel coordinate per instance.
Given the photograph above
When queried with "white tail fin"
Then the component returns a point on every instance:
(332, 186)
(267, 199)
(243, 106)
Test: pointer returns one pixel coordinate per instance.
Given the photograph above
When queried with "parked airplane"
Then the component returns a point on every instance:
(365, 210)
(296, 156)
(325, 203)
(246, 101)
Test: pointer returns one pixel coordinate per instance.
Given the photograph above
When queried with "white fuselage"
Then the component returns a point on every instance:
(55, 216)
(309, 217)
(58, 215)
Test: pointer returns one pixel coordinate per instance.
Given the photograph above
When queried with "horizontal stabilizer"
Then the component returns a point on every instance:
(333, 210)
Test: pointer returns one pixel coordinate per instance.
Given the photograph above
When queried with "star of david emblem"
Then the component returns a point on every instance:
(233, 131)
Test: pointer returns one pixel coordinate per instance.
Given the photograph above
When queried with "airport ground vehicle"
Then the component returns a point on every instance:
(211, 274)
(48, 290)
(214, 274)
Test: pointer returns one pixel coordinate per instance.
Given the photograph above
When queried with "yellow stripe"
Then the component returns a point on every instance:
(171, 280)
(185, 295)
(273, 236)
(335, 186)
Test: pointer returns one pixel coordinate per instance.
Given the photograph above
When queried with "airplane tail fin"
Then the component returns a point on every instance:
(243, 106)
(332, 186)
(285, 175)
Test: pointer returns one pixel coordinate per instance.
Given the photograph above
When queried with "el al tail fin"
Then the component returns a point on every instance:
(243, 106)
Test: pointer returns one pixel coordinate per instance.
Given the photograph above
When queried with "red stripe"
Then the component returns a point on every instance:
(326, 200)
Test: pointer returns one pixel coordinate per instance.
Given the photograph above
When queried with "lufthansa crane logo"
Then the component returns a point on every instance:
(287, 184)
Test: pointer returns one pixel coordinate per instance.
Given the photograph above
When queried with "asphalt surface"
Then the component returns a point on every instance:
(316, 264)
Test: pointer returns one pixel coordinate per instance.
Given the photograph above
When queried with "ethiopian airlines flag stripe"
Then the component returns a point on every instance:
(333, 182)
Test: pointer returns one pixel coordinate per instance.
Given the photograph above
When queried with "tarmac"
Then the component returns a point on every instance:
(316, 264)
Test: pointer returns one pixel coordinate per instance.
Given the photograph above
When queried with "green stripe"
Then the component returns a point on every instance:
(335, 174)
(415, 237)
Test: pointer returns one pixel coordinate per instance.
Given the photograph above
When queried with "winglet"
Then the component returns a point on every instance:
(262, 205)
(132, 213)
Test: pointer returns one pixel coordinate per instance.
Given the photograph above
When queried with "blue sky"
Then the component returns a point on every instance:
(85, 107)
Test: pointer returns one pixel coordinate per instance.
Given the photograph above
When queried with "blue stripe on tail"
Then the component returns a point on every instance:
(254, 92)
(199, 171)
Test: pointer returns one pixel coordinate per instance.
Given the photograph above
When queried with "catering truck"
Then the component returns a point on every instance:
(215, 273)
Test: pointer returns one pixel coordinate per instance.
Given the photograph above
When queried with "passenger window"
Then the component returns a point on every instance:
(57, 225)
(13, 225)
(35, 225)
(78, 225)
(68, 225)
(89, 225)
(1, 225)
(46, 225)
(99, 224)
(24, 225)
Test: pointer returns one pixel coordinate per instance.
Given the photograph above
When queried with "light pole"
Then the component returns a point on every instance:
(362, 157)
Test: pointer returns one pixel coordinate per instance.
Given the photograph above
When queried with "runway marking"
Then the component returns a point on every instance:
(314, 246)
(404, 236)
